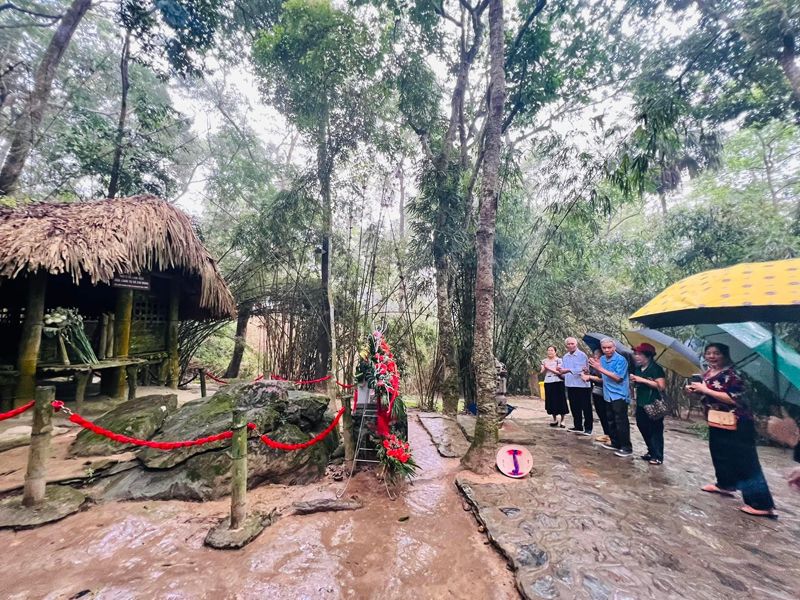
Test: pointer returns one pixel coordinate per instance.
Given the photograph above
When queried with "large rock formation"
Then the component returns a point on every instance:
(203, 472)
(139, 418)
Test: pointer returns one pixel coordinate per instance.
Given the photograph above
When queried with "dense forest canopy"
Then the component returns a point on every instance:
(344, 160)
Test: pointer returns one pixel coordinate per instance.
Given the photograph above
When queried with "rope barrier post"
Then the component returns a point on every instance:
(240, 529)
(35, 476)
(202, 382)
(239, 469)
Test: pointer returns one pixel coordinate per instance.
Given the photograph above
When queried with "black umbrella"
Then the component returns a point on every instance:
(592, 339)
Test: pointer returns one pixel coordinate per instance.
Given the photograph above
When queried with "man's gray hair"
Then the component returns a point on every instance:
(608, 340)
(571, 339)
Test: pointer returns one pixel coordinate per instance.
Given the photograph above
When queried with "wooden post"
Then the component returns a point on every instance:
(31, 337)
(173, 359)
(101, 347)
(82, 379)
(238, 469)
(35, 476)
(122, 338)
(110, 337)
(133, 375)
(202, 382)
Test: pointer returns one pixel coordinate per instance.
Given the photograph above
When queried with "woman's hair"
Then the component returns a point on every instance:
(648, 353)
(554, 349)
(722, 348)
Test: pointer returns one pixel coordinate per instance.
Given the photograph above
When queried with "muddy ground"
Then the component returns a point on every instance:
(421, 545)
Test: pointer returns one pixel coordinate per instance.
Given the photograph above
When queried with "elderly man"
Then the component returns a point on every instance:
(574, 364)
(613, 368)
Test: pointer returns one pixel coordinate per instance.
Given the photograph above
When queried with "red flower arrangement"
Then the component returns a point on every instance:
(395, 456)
(378, 369)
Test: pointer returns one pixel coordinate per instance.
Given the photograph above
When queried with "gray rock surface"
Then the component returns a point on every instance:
(203, 472)
(139, 418)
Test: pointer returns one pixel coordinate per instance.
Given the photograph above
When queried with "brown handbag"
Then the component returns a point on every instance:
(722, 419)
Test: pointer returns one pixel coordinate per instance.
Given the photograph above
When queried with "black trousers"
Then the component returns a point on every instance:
(580, 405)
(601, 408)
(653, 433)
(618, 424)
(736, 464)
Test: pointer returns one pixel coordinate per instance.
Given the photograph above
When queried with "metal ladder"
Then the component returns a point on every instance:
(366, 414)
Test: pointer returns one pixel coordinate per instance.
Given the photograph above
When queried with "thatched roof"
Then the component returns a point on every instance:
(98, 240)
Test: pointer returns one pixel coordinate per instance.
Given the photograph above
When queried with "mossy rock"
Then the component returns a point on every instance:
(139, 418)
(207, 476)
(263, 403)
(203, 472)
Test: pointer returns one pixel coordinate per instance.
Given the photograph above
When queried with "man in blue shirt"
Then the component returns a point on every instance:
(579, 392)
(613, 368)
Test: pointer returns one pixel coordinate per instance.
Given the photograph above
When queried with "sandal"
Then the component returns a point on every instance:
(655, 461)
(553, 424)
(713, 489)
(749, 510)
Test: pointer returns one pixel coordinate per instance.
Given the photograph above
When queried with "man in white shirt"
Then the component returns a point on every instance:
(579, 392)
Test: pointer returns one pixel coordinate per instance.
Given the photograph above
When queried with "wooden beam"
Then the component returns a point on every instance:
(31, 338)
(173, 360)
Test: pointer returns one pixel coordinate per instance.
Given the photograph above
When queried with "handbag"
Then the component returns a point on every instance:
(657, 409)
(722, 419)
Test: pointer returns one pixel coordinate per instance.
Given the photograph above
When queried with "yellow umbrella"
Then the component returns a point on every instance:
(765, 291)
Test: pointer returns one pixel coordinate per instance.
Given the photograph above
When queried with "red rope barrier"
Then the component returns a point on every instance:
(17, 411)
(301, 381)
(344, 386)
(302, 445)
(124, 439)
(213, 377)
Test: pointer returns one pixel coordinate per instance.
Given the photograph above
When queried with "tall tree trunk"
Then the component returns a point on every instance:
(766, 158)
(116, 167)
(242, 319)
(662, 197)
(486, 426)
(788, 62)
(446, 348)
(327, 361)
(29, 121)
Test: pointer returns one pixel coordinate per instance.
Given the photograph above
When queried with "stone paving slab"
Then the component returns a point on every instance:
(445, 433)
(512, 431)
(588, 524)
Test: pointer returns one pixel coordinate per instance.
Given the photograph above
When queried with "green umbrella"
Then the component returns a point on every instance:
(759, 354)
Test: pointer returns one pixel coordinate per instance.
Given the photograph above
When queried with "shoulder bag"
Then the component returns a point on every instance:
(721, 419)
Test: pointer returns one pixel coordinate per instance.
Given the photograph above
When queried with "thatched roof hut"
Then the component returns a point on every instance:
(94, 242)
(131, 268)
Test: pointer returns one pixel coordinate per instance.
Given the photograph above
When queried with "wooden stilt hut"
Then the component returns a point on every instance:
(129, 268)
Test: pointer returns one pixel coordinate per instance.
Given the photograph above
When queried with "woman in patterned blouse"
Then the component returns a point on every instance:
(733, 452)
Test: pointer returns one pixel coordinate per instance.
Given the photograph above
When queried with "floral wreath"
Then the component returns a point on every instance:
(378, 369)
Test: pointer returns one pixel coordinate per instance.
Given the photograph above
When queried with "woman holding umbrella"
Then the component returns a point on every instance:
(731, 434)
(649, 381)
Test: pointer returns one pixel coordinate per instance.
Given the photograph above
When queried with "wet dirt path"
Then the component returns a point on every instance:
(155, 549)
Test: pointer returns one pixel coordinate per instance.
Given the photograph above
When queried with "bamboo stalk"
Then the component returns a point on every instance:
(101, 347)
(31, 337)
(36, 474)
(238, 469)
(173, 362)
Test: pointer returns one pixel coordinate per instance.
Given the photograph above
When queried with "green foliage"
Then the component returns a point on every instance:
(318, 65)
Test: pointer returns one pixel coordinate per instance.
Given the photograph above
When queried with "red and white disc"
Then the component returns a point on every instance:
(514, 461)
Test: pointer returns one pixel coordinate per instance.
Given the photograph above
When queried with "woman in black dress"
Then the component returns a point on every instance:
(555, 397)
